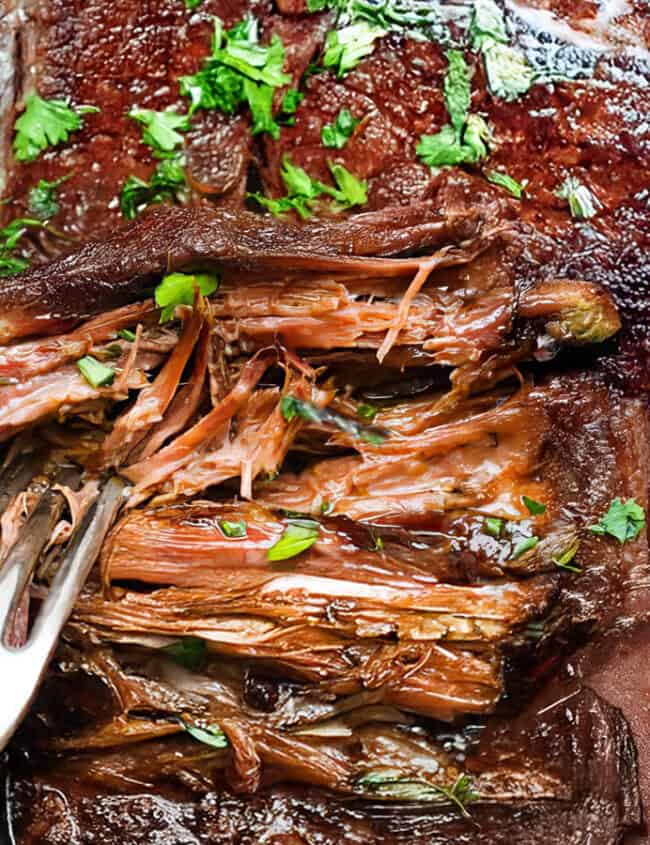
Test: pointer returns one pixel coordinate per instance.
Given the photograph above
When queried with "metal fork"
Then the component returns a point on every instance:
(22, 668)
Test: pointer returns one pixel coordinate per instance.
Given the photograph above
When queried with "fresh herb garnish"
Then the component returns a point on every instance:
(46, 123)
(494, 526)
(188, 652)
(464, 140)
(390, 784)
(504, 181)
(297, 537)
(95, 373)
(179, 289)
(289, 107)
(487, 25)
(379, 543)
(233, 528)
(126, 334)
(523, 545)
(532, 506)
(367, 412)
(210, 735)
(337, 134)
(10, 236)
(161, 128)
(167, 182)
(508, 72)
(582, 203)
(292, 407)
(302, 191)
(420, 17)
(623, 520)
(239, 70)
(346, 47)
(326, 507)
(192, 4)
(563, 561)
(42, 202)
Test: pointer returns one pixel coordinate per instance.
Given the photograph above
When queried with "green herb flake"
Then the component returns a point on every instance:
(42, 199)
(504, 181)
(210, 735)
(303, 191)
(379, 543)
(508, 72)
(233, 529)
(389, 783)
(487, 25)
(524, 545)
(582, 203)
(326, 507)
(297, 538)
(46, 123)
(563, 561)
(95, 373)
(623, 520)
(532, 506)
(240, 70)
(292, 407)
(346, 47)
(456, 87)
(337, 134)
(192, 4)
(161, 128)
(10, 237)
(179, 289)
(126, 334)
(494, 526)
(367, 412)
(188, 652)
(167, 182)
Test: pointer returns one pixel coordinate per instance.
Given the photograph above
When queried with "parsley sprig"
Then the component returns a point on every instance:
(465, 138)
(303, 192)
(623, 520)
(46, 123)
(161, 129)
(10, 237)
(167, 182)
(239, 70)
(42, 198)
(509, 75)
(337, 134)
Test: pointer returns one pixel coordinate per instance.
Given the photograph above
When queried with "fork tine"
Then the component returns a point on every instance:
(22, 558)
(74, 569)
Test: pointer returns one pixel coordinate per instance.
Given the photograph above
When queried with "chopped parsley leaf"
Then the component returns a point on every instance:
(46, 123)
(179, 289)
(210, 735)
(95, 373)
(532, 506)
(346, 47)
(563, 561)
(504, 181)
(188, 652)
(10, 237)
(239, 70)
(167, 182)
(161, 128)
(456, 87)
(367, 412)
(297, 537)
(42, 202)
(193, 4)
(233, 529)
(293, 407)
(302, 190)
(420, 17)
(623, 520)
(337, 134)
(582, 203)
(494, 526)
(126, 334)
(487, 25)
(524, 545)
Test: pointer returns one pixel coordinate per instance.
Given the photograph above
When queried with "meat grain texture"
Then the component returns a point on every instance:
(592, 440)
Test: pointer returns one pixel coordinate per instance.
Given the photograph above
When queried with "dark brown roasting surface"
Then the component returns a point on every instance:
(589, 724)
